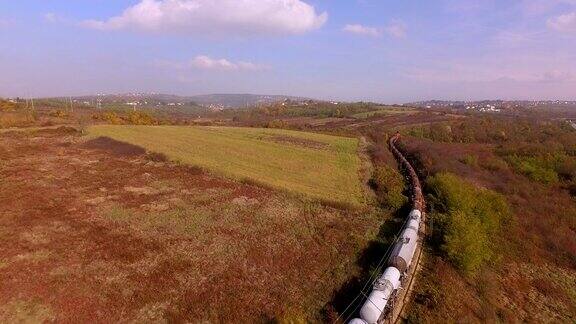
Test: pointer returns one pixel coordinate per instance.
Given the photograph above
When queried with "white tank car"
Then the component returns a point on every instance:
(413, 224)
(376, 303)
(415, 214)
(405, 247)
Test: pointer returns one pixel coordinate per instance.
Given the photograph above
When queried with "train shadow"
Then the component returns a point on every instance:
(347, 300)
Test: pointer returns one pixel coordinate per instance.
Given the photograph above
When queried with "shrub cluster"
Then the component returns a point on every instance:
(537, 168)
(140, 118)
(276, 123)
(7, 105)
(470, 159)
(11, 119)
(543, 151)
(132, 118)
(466, 220)
(389, 187)
(59, 113)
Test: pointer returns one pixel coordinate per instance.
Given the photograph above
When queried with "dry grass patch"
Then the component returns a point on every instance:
(182, 220)
(25, 311)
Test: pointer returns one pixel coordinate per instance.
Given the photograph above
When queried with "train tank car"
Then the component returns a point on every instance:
(384, 289)
(403, 252)
(405, 247)
(415, 215)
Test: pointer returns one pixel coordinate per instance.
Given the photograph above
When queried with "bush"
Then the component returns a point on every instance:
(109, 117)
(538, 169)
(141, 118)
(389, 187)
(7, 106)
(468, 220)
(17, 119)
(59, 113)
(276, 124)
(567, 169)
(494, 164)
(471, 160)
(291, 317)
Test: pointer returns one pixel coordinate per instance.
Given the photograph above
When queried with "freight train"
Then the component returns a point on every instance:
(403, 252)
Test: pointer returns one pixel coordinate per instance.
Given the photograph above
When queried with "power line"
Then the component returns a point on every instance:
(375, 273)
(378, 268)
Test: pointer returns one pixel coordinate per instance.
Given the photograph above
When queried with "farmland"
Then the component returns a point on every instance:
(319, 166)
(111, 234)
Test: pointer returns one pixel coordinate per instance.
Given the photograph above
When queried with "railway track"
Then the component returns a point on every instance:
(394, 289)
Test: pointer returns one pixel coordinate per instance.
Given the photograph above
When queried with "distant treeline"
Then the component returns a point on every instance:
(313, 109)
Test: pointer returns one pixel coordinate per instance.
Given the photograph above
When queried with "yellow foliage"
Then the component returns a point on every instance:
(141, 118)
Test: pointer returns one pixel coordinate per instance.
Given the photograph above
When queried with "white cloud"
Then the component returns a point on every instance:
(207, 63)
(204, 62)
(362, 30)
(395, 29)
(51, 17)
(216, 17)
(539, 7)
(564, 23)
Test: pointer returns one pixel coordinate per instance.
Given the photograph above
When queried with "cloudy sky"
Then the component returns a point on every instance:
(382, 50)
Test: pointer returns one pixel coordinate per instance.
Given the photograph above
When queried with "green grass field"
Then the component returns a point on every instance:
(319, 166)
(384, 111)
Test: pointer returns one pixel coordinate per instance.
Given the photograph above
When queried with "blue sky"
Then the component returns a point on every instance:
(382, 50)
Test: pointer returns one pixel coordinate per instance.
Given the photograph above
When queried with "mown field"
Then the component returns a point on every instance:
(319, 166)
(384, 112)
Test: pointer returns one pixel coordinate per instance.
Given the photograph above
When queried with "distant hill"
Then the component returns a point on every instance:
(494, 104)
(241, 100)
(213, 100)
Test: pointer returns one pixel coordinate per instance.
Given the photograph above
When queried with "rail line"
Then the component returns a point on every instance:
(394, 289)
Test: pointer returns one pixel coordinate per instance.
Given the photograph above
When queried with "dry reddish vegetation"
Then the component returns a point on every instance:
(101, 232)
(534, 277)
(105, 232)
